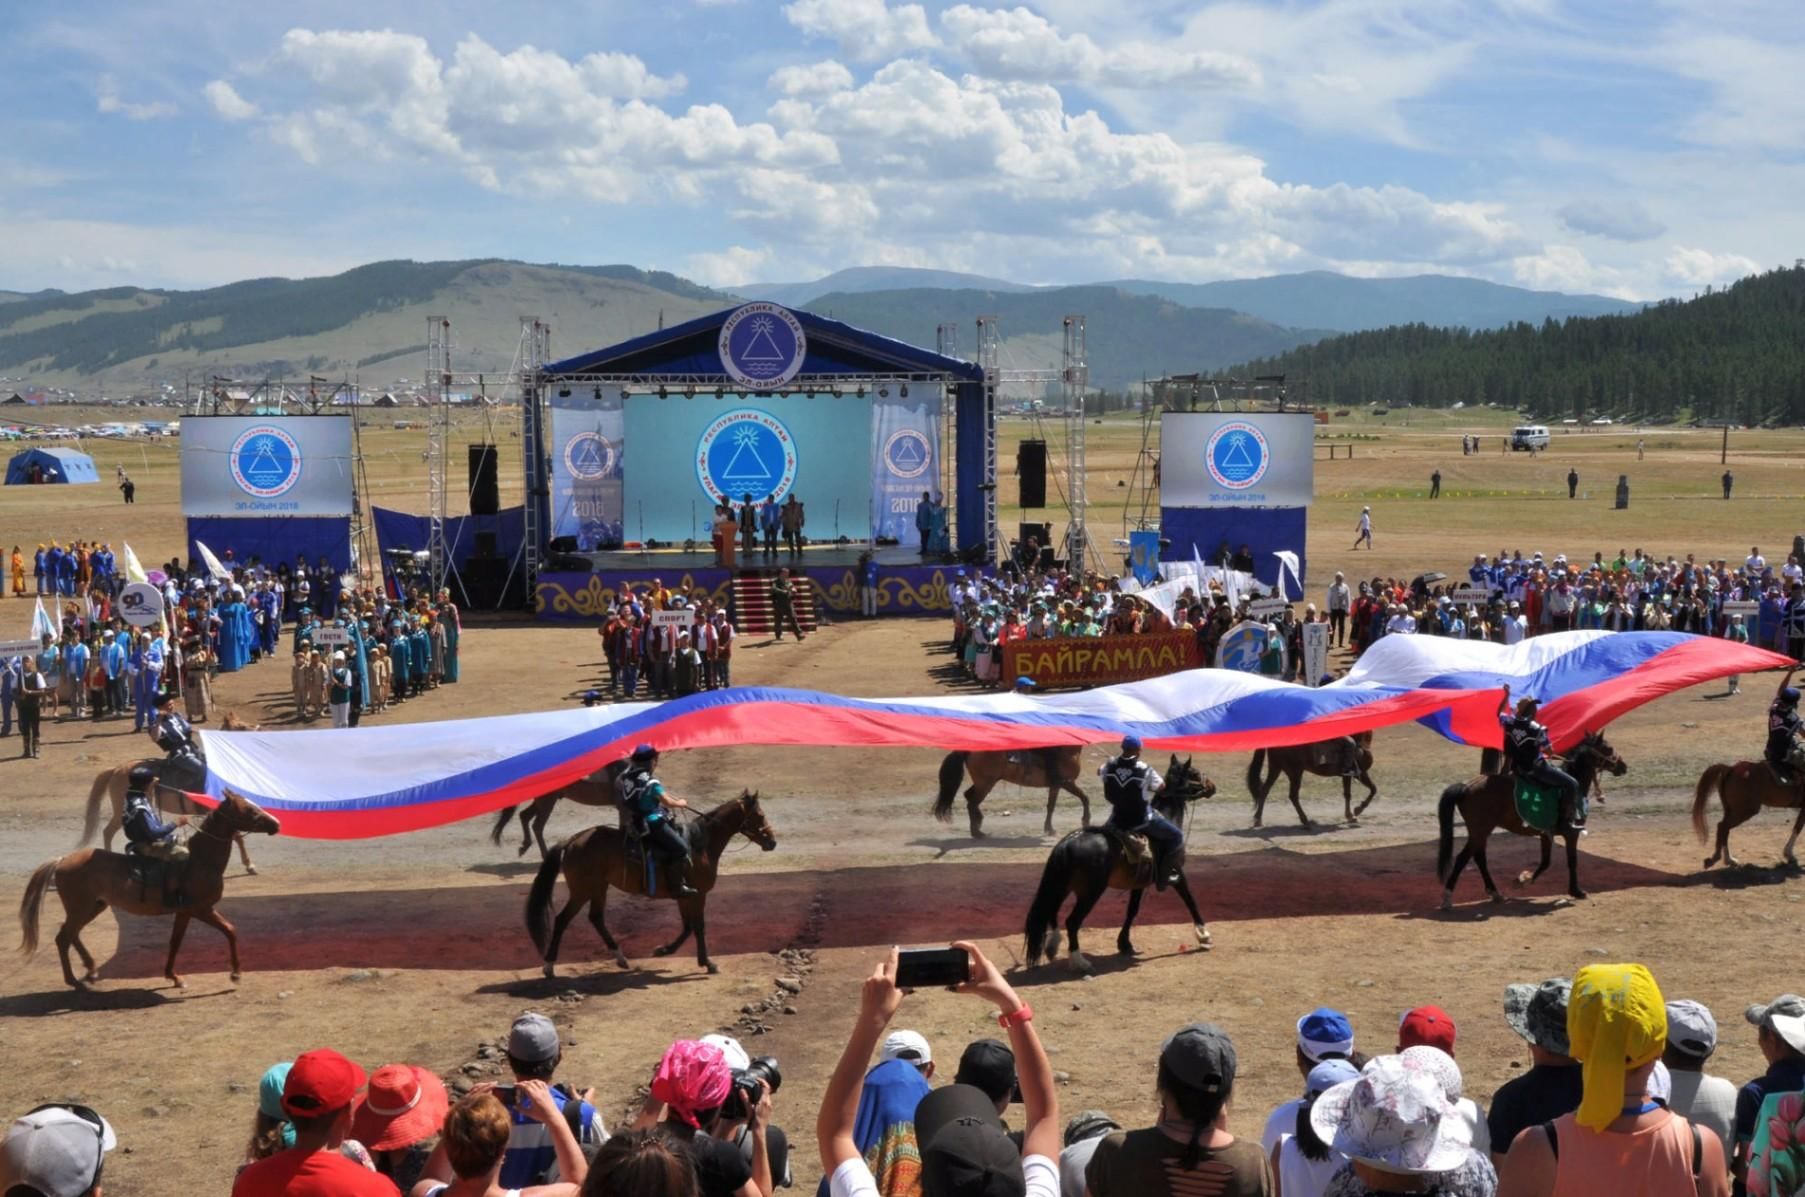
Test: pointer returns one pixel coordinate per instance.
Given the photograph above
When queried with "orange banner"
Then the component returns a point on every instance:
(1099, 660)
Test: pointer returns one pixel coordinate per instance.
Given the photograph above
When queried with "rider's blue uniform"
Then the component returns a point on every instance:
(1129, 784)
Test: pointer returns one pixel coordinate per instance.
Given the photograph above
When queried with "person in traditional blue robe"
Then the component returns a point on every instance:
(401, 652)
(236, 634)
(360, 662)
(421, 650)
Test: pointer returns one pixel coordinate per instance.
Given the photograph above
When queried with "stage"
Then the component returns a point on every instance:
(907, 584)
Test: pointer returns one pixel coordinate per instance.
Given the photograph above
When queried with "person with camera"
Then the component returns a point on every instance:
(695, 1086)
(964, 1149)
(751, 1079)
(534, 1053)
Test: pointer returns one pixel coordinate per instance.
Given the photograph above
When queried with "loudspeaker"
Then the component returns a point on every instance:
(1031, 468)
(485, 490)
(1040, 533)
(562, 544)
(484, 583)
(485, 546)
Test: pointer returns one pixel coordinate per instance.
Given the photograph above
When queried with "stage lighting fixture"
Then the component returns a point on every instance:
(598, 392)
(883, 392)
(689, 392)
(719, 393)
(563, 392)
(662, 393)
(625, 394)
(860, 393)
(904, 391)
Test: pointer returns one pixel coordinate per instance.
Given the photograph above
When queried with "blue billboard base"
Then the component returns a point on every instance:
(274, 539)
(1204, 531)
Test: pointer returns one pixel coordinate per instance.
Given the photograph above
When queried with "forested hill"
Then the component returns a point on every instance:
(1734, 354)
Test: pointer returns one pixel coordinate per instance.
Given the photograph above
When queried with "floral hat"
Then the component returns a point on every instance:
(1395, 1117)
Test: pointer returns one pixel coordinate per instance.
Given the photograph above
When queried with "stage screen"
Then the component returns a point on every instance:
(1236, 459)
(266, 465)
(687, 452)
(586, 454)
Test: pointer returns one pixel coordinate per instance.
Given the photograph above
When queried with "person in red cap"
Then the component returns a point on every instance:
(319, 1097)
(1430, 1026)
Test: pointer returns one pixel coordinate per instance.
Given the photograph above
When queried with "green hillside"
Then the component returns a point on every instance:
(372, 318)
(1129, 337)
(1735, 354)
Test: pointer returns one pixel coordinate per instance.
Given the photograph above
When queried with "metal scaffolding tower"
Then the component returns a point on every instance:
(990, 351)
(1074, 378)
(438, 435)
(535, 352)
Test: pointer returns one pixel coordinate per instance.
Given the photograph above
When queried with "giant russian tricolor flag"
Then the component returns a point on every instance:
(372, 781)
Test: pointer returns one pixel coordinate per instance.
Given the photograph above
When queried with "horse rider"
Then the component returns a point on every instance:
(1129, 784)
(1784, 750)
(1527, 747)
(183, 766)
(643, 800)
(147, 834)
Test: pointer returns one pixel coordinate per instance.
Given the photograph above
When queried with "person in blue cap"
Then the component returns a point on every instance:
(1129, 783)
(1784, 752)
(1527, 745)
(643, 800)
(1024, 685)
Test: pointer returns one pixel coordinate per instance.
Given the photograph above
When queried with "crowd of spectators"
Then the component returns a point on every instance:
(669, 658)
(1617, 1099)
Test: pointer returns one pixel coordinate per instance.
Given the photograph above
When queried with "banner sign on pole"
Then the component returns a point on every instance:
(266, 465)
(141, 605)
(1143, 556)
(16, 648)
(1100, 660)
(330, 636)
(1262, 608)
(1316, 653)
(683, 617)
(1243, 646)
(1477, 596)
(1744, 609)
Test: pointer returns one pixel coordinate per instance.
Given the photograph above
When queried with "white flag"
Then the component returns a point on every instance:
(42, 625)
(1288, 562)
(214, 568)
(134, 571)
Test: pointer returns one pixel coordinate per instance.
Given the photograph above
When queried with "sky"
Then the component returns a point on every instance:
(1635, 148)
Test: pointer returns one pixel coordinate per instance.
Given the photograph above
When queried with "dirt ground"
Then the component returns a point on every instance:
(412, 948)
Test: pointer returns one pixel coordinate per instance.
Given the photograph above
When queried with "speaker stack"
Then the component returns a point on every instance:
(485, 486)
(1031, 469)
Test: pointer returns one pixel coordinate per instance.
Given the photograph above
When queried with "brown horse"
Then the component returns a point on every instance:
(1054, 768)
(595, 790)
(1322, 759)
(112, 783)
(1744, 789)
(90, 880)
(598, 858)
(1086, 863)
(1489, 803)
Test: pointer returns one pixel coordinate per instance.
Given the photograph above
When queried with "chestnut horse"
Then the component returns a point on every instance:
(1744, 789)
(1322, 759)
(90, 880)
(595, 790)
(112, 783)
(1054, 768)
(595, 859)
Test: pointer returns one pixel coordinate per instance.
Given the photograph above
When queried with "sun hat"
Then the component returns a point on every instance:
(57, 1150)
(1691, 1029)
(906, 1045)
(1784, 1016)
(964, 1147)
(1325, 1032)
(532, 1039)
(1438, 1064)
(402, 1106)
(1538, 1013)
(269, 1090)
(1616, 1022)
(731, 1051)
(1426, 1025)
(320, 1082)
(692, 1078)
(1395, 1118)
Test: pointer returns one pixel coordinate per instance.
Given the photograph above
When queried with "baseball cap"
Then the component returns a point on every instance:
(731, 1051)
(1325, 1032)
(532, 1038)
(1089, 1124)
(989, 1065)
(1691, 1029)
(1328, 1074)
(1538, 1013)
(319, 1082)
(1785, 1016)
(906, 1045)
(1426, 1026)
(964, 1148)
(1200, 1056)
(1131, 743)
(57, 1150)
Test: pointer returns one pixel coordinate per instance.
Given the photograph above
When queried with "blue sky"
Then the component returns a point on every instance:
(1637, 149)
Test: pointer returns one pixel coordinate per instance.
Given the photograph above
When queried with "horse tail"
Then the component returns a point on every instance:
(952, 770)
(31, 905)
(96, 794)
(1055, 884)
(539, 898)
(1255, 785)
(1444, 813)
(1711, 780)
(501, 824)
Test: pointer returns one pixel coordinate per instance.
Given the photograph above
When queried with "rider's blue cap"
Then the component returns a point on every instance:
(645, 750)
(1024, 683)
(1131, 743)
(1790, 694)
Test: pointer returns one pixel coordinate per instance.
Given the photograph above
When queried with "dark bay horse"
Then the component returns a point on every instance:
(596, 859)
(595, 790)
(92, 879)
(1744, 788)
(1055, 769)
(1321, 759)
(1488, 804)
(1086, 863)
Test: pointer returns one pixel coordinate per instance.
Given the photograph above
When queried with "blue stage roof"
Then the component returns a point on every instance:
(833, 348)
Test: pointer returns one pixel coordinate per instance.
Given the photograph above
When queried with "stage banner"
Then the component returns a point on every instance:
(1236, 459)
(1143, 556)
(588, 440)
(266, 465)
(1099, 660)
(905, 457)
(689, 453)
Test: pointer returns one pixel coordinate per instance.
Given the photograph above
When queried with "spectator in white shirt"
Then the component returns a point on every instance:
(1515, 626)
(1709, 1102)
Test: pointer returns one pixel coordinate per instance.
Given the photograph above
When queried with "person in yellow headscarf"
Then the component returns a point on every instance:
(1621, 1141)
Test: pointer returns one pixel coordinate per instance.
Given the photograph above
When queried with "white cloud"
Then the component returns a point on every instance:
(813, 79)
(1017, 43)
(732, 267)
(868, 30)
(227, 102)
(1700, 267)
(107, 100)
(1619, 220)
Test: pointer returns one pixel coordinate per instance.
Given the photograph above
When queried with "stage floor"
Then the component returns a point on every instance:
(820, 556)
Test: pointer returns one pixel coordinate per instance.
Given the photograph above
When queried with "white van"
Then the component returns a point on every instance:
(1529, 436)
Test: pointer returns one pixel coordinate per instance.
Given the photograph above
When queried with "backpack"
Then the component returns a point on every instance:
(579, 1127)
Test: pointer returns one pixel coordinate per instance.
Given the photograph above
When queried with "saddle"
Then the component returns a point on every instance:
(183, 771)
(1539, 806)
(1137, 853)
(152, 875)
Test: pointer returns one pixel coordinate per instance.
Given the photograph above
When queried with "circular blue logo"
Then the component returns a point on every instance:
(907, 453)
(1236, 455)
(589, 456)
(762, 346)
(1242, 646)
(746, 452)
(265, 461)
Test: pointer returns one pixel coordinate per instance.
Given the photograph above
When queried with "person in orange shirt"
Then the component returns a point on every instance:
(18, 572)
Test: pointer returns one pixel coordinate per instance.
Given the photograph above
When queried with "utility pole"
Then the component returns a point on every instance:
(1723, 457)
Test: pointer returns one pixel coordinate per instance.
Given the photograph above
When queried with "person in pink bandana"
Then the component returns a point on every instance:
(694, 1081)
